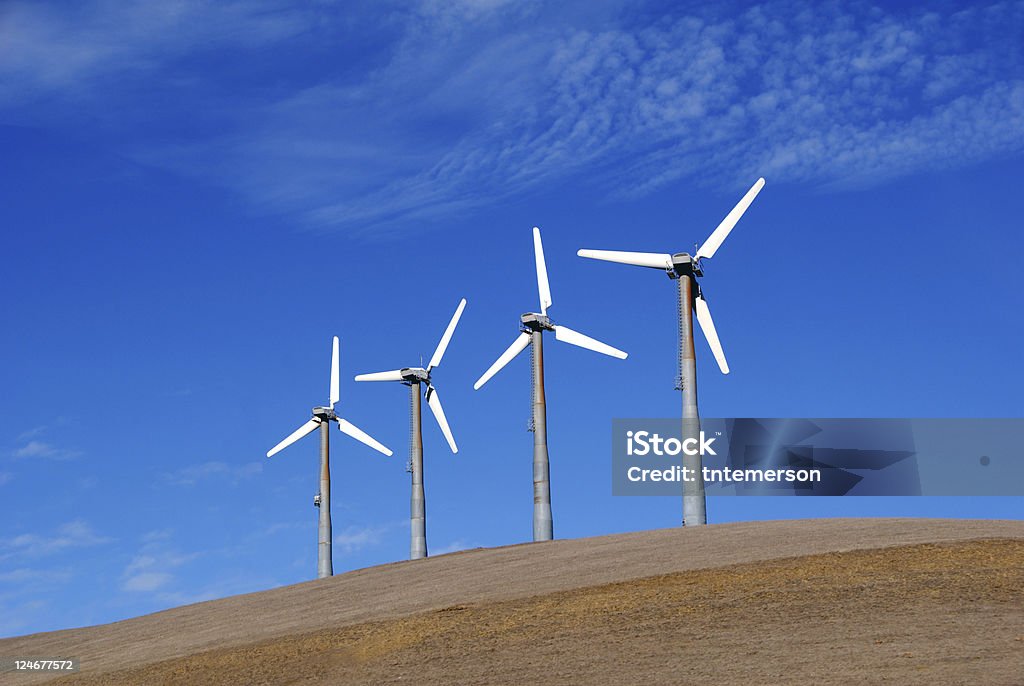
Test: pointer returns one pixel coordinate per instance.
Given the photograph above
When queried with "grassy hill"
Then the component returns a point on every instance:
(815, 601)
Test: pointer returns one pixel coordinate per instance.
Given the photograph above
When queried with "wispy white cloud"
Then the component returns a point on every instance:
(214, 470)
(279, 527)
(158, 572)
(26, 595)
(155, 535)
(164, 559)
(42, 449)
(821, 94)
(88, 482)
(27, 587)
(29, 434)
(472, 102)
(355, 538)
(146, 582)
(32, 446)
(20, 614)
(74, 534)
(46, 48)
(151, 569)
(25, 575)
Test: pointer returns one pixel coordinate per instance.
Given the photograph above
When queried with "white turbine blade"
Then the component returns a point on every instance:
(640, 259)
(435, 406)
(567, 335)
(543, 287)
(393, 375)
(335, 379)
(435, 361)
(294, 436)
(708, 327)
(720, 233)
(517, 347)
(355, 432)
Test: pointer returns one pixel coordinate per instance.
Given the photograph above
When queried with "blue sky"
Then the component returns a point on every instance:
(197, 195)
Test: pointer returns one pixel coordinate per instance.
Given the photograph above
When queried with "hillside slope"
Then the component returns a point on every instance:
(824, 601)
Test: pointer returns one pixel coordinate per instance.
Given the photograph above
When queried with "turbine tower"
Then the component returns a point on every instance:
(322, 417)
(686, 269)
(532, 326)
(414, 378)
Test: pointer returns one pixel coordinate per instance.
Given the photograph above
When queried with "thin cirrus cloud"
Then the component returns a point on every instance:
(46, 47)
(469, 103)
(149, 570)
(214, 470)
(36, 578)
(26, 593)
(804, 94)
(355, 538)
(74, 534)
(42, 449)
(152, 568)
(33, 446)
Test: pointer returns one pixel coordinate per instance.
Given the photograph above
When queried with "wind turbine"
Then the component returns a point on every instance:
(414, 377)
(686, 270)
(322, 417)
(532, 326)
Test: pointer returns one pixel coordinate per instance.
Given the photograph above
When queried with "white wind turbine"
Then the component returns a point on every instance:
(686, 270)
(322, 418)
(414, 377)
(532, 326)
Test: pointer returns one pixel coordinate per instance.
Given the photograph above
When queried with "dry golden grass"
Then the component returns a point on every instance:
(945, 613)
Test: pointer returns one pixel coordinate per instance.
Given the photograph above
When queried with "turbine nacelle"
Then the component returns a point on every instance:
(534, 321)
(684, 264)
(411, 375)
(325, 414)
